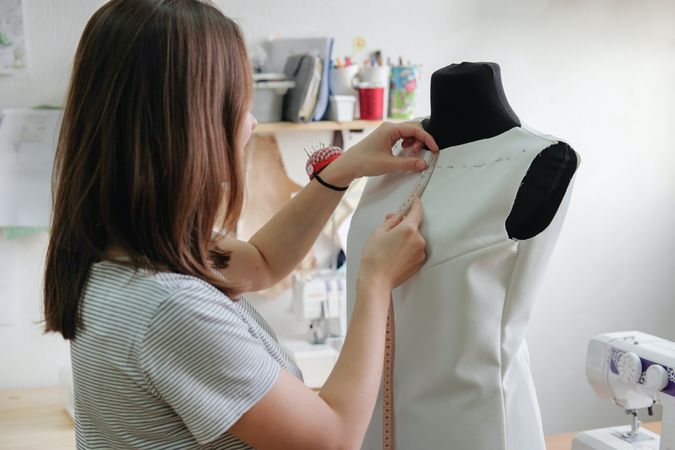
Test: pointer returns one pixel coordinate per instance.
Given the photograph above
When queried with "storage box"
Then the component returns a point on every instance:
(341, 108)
(268, 97)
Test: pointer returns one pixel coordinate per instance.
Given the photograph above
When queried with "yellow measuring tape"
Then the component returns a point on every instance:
(388, 412)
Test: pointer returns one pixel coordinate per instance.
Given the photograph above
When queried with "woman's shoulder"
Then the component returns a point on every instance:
(148, 292)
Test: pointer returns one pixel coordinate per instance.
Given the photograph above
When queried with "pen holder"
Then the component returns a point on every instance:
(371, 101)
(403, 91)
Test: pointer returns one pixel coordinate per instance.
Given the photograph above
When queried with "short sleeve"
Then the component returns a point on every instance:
(201, 357)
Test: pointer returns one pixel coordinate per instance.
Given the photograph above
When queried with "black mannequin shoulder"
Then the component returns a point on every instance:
(559, 157)
(542, 191)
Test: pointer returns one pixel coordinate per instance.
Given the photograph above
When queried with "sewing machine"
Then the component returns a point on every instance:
(319, 300)
(635, 370)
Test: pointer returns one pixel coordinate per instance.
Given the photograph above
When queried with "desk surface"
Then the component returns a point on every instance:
(33, 419)
(564, 441)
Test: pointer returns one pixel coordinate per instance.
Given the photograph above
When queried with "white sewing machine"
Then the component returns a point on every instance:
(319, 300)
(635, 370)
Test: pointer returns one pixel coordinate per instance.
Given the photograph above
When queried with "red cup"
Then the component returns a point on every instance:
(371, 102)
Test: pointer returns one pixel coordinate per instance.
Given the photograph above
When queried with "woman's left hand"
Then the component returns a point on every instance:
(372, 155)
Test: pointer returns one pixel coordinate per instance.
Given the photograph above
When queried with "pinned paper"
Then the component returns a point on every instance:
(27, 146)
(12, 37)
(9, 306)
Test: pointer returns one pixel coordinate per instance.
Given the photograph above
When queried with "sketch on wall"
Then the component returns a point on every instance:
(12, 38)
(27, 145)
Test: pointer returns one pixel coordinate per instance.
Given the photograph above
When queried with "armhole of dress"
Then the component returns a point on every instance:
(541, 191)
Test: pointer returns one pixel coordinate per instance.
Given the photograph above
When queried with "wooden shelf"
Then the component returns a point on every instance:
(322, 125)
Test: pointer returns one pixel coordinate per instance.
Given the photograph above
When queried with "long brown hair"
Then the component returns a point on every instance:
(148, 141)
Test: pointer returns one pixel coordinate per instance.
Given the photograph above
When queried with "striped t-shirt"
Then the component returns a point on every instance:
(166, 361)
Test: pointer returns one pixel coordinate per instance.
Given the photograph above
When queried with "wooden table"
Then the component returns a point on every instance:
(564, 441)
(33, 419)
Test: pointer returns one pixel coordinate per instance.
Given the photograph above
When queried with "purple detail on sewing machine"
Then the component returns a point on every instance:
(615, 354)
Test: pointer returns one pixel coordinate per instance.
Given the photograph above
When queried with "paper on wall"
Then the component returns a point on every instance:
(27, 145)
(9, 305)
(12, 37)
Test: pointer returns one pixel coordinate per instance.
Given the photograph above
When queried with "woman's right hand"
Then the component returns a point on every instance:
(395, 251)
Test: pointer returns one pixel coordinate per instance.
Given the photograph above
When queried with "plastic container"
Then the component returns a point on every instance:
(371, 101)
(268, 96)
(341, 108)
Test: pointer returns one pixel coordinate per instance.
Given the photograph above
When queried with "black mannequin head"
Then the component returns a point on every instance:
(468, 104)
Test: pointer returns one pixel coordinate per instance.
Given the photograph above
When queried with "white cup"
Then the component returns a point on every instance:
(343, 80)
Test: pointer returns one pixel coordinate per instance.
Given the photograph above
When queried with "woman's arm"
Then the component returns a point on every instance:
(292, 416)
(279, 246)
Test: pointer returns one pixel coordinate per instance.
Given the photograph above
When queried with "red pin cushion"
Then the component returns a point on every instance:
(321, 158)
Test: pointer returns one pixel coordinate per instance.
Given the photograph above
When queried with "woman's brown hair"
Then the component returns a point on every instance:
(148, 140)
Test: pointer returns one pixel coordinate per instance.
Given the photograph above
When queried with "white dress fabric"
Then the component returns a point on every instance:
(462, 376)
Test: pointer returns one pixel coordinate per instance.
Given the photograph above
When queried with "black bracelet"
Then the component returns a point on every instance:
(330, 186)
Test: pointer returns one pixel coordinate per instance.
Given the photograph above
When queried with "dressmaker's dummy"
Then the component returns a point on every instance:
(493, 210)
(468, 103)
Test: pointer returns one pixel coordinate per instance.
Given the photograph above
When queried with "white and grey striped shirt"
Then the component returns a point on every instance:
(166, 361)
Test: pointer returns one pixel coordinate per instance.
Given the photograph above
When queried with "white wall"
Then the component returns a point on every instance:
(602, 76)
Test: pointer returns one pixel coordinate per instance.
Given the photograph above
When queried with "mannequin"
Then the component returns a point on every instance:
(493, 210)
(470, 96)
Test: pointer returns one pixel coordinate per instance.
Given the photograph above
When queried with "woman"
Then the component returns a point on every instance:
(165, 351)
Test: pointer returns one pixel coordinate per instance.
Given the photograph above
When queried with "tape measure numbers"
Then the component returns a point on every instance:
(420, 184)
(388, 413)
